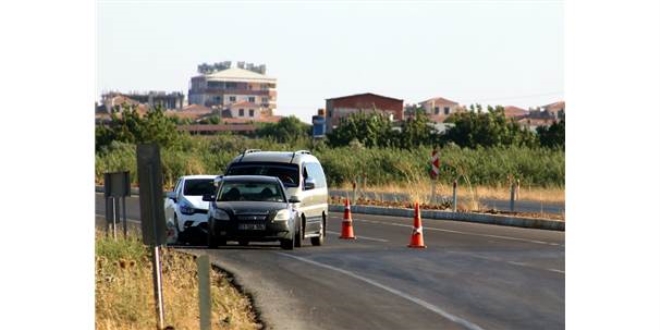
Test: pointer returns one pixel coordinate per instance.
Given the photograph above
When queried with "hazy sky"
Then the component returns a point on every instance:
(488, 52)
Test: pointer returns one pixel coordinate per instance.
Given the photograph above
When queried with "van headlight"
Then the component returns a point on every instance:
(220, 215)
(282, 215)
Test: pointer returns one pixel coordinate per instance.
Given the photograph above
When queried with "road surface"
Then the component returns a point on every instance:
(471, 276)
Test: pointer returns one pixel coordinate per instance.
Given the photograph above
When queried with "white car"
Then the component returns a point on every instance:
(186, 212)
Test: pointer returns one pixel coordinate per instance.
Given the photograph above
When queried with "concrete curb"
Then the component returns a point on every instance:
(439, 215)
(457, 216)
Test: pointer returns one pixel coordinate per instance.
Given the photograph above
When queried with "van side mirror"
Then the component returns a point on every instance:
(207, 198)
(171, 195)
(310, 183)
(294, 199)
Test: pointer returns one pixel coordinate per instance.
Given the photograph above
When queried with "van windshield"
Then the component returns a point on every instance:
(288, 174)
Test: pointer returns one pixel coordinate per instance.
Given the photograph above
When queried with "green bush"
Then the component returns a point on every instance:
(482, 166)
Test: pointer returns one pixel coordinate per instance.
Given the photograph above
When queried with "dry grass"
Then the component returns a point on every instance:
(421, 191)
(124, 290)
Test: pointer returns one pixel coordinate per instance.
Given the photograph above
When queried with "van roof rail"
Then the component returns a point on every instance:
(297, 152)
(247, 151)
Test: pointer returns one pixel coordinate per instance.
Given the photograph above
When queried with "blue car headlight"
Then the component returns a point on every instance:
(187, 210)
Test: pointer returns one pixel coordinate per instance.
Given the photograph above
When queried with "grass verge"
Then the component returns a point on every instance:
(124, 290)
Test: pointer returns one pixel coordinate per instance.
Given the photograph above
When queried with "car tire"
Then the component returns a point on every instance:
(298, 237)
(212, 242)
(179, 239)
(288, 243)
(318, 241)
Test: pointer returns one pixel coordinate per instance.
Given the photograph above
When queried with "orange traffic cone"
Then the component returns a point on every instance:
(417, 238)
(347, 223)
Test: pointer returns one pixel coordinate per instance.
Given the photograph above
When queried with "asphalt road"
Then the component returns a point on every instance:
(471, 276)
(488, 203)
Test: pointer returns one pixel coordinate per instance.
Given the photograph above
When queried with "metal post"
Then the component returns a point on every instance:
(454, 198)
(123, 208)
(432, 192)
(513, 196)
(204, 279)
(354, 190)
(158, 286)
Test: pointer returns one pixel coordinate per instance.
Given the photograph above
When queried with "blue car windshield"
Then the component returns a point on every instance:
(198, 187)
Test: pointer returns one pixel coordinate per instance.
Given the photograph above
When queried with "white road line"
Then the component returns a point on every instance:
(460, 232)
(514, 263)
(361, 237)
(432, 308)
(556, 270)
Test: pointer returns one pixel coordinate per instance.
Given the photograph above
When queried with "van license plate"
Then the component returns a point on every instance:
(251, 226)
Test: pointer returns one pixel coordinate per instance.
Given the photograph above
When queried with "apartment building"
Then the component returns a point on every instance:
(243, 89)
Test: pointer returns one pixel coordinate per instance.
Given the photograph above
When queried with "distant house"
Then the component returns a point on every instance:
(193, 112)
(438, 109)
(555, 110)
(513, 112)
(114, 102)
(532, 123)
(340, 107)
(167, 101)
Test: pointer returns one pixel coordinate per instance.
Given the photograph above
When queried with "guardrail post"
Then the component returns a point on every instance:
(354, 190)
(454, 199)
(513, 196)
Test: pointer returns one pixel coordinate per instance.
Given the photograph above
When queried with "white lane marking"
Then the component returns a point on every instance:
(432, 308)
(556, 270)
(361, 237)
(463, 233)
(515, 263)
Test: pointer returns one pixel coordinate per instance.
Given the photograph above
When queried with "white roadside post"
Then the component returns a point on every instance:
(454, 199)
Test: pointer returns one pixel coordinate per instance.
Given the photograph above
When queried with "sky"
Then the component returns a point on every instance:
(486, 52)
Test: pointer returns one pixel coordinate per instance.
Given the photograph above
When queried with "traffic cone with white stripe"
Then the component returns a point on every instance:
(417, 238)
(347, 223)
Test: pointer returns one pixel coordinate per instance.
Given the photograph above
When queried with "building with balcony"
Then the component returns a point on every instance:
(243, 88)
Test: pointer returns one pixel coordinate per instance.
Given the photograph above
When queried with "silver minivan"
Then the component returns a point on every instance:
(303, 177)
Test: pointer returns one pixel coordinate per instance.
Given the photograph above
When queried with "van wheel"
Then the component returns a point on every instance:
(318, 241)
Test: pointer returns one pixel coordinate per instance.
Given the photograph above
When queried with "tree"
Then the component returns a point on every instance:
(487, 129)
(415, 131)
(552, 136)
(287, 130)
(129, 126)
(370, 130)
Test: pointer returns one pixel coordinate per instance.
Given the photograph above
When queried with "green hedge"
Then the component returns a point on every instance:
(492, 166)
